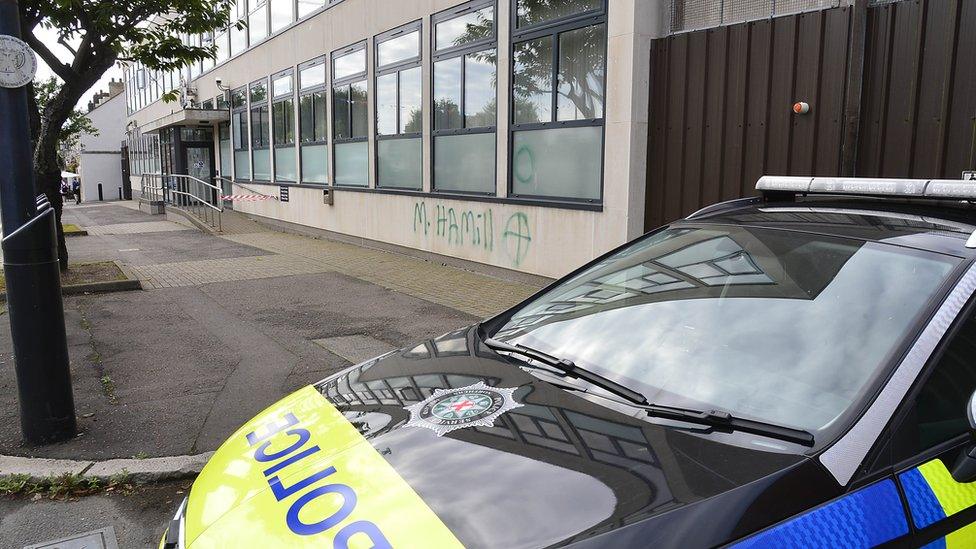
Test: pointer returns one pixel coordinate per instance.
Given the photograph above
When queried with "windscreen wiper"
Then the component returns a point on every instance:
(569, 368)
(718, 419)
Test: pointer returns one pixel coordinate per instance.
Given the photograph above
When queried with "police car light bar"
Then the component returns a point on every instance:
(945, 189)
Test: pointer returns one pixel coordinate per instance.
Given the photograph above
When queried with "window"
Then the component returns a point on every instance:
(222, 41)
(260, 134)
(703, 295)
(399, 115)
(530, 13)
(239, 133)
(350, 116)
(558, 79)
(464, 99)
(305, 7)
(282, 14)
(257, 21)
(283, 120)
(312, 117)
(226, 155)
(939, 411)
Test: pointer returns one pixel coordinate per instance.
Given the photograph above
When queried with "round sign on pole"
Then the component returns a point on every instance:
(17, 62)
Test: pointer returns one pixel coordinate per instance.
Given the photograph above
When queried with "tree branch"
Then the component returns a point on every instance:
(60, 68)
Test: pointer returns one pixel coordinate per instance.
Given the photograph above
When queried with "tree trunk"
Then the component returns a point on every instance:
(47, 169)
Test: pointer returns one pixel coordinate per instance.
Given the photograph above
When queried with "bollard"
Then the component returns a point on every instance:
(100, 199)
(120, 193)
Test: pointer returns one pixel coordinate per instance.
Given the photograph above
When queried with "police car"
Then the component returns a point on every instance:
(792, 370)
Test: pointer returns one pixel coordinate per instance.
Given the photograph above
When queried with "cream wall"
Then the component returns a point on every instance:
(561, 239)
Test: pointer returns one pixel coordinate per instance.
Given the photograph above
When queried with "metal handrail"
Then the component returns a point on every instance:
(204, 203)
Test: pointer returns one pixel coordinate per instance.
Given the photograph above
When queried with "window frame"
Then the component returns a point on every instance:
(252, 105)
(397, 68)
(347, 82)
(554, 29)
(461, 52)
(274, 100)
(325, 88)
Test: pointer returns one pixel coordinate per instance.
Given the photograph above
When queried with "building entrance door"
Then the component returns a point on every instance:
(199, 162)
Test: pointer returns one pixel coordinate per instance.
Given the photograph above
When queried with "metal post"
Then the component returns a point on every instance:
(30, 260)
(100, 192)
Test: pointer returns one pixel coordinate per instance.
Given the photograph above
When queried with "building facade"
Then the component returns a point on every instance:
(100, 159)
(536, 134)
(505, 132)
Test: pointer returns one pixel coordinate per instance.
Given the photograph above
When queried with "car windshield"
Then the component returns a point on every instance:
(780, 326)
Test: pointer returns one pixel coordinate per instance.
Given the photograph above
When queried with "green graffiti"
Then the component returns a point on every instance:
(420, 217)
(524, 159)
(517, 237)
(457, 227)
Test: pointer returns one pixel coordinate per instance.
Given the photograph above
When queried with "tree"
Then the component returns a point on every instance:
(76, 124)
(99, 33)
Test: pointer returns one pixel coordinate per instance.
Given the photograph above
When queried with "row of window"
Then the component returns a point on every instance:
(282, 127)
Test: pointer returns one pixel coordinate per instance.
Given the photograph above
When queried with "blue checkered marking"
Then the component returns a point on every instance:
(922, 502)
(865, 518)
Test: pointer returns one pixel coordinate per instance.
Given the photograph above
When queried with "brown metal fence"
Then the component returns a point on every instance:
(721, 101)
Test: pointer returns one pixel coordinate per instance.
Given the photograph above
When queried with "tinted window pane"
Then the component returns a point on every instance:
(533, 81)
(386, 108)
(349, 64)
(312, 76)
(531, 12)
(340, 113)
(284, 118)
(259, 92)
(360, 111)
(238, 40)
(447, 94)
(306, 7)
(582, 65)
(470, 27)
(352, 164)
(226, 157)
(239, 98)
(774, 341)
(223, 51)
(465, 162)
(564, 162)
(411, 118)
(398, 49)
(306, 118)
(257, 24)
(315, 163)
(281, 14)
(262, 164)
(285, 164)
(282, 86)
(320, 115)
(479, 89)
(242, 166)
(399, 163)
(940, 409)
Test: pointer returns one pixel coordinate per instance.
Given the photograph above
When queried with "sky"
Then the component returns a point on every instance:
(50, 37)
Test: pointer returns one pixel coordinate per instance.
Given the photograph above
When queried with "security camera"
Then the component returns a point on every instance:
(218, 81)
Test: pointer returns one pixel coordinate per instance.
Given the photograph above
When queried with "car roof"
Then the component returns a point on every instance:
(938, 227)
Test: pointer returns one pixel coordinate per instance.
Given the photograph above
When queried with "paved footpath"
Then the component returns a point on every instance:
(226, 326)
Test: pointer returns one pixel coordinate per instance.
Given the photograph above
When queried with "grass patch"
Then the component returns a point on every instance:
(108, 387)
(85, 273)
(62, 486)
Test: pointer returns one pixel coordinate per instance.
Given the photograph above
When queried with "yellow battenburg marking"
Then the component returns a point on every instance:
(327, 487)
(953, 497)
